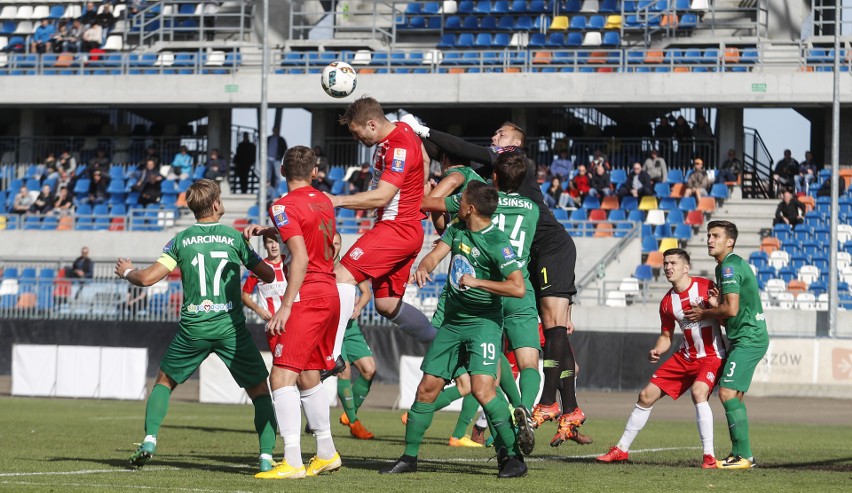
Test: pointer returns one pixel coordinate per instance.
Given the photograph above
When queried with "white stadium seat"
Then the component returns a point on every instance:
(775, 286)
(25, 28)
(8, 12)
(114, 43)
(844, 233)
(25, 12)
(808, 273)
(629, 285)
(822, 302)
(806, 301)
(165, 59)
(592, 39)
(363, 57)
(779, 259)
(40, 12)
(215, 59)
(450, 7)
(656, 217)
(73, 11)
(616, 298)
(785, 299)
(844, 259)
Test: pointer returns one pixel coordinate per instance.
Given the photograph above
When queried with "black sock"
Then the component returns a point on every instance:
(408, 458)
(567, 378)
(554, 346)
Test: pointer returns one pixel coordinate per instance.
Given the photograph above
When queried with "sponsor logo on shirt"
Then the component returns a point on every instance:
(464, 248)
(356, 253)
(398, 163)
(208, 306)
(475, 252)
(279, 350)
(760, 317)
(279, 215)
(460, 266)
(168, 247)
(727, 272)
(508, 253)
(711, 376)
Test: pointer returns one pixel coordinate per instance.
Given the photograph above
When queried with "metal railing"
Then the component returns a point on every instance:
(757, 166)
(176, 20)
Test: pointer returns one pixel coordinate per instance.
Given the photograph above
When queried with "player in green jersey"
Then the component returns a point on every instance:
(737, 306)
(484, 269)
(516, 216)
(455, 175)
(209, 255)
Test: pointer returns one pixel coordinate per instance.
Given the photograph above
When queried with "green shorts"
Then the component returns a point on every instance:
(520, 322)
(239, 353)
(457, 350)
(739, 367)
(355, 346)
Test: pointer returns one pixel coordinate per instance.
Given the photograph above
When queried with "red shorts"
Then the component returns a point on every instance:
(308, 338)
(676, 376)
(510, 355)
(385, 255)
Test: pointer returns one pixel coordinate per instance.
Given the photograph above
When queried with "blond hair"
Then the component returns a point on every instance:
(201, 196)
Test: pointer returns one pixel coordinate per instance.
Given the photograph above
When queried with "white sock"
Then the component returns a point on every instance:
(289, 416)
(482, 421)
(704, 419)
(315, 403)
(150, 438)
(412, 321)
(347, 306)
(635, 423)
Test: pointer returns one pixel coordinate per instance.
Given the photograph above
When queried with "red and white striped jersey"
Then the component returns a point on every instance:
(272, 293)
(399, 161)
(701, 339)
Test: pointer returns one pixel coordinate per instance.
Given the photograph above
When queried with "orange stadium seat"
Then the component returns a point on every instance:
(654, 57)
(677, 190)
(607, 70)
(241, 224)
(597, 57)
(597, 215)
(362, 71)
(670, 21)
(603, 229)
(795, 286)
(655, 259)
(809, 202)
(26, 300)
(116, 224)
(680, 69)
(542, 57)
(457, 70)
(610, 203)
(706, 204)
(511, 70)
(770, 244)
(732, 55)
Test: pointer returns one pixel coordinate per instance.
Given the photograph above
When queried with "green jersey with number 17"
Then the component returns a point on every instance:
(209, 256)
(748, 326)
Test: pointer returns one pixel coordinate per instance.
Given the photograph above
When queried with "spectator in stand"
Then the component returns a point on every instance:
(360, 180)
(599, 185)
(664, 134)
(638, 183)
(825, 189)
(698, 183)
(151, 153)
(98, 188)
(62, 203)
(275, 148)
(656, 167)
(93, 37)
(60, 32)
(599, 159)
(181, 165)
(217, 168)
(42, 39)
(99, 162)
(322, 160)
(23, 201)
(244, 160)
(578, 188)
(48, 168)
(786, 170)
(44, 202)
(90, 13)
(807, 174)
(701, 130)
(148, 184)
(72, 38)
(730, 169)
(106, 19)
(790, 210)
(683, 136)
(562, 166)
(67, 161)
(321, 183)
(554, 192)
(83, 267)
(135, 6)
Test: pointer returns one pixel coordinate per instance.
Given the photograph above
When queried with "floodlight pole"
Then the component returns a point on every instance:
(835, 172)
(264, 110)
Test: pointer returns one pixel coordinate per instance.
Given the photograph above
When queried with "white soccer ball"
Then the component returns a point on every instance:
(339, 79)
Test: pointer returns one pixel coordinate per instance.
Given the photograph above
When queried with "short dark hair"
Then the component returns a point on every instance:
(482, 196)
(517, 128)
(510, 168)
(298, 163)
(680, 252)
(361, 111)
(729, 227)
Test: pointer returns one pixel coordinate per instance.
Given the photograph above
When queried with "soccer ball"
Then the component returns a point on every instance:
(339, 79)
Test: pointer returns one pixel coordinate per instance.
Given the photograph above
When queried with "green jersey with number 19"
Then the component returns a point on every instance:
(748, 326)
(209, 256)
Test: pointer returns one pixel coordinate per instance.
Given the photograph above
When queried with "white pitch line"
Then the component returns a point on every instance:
(555, 457)
(84, 471)
(137, 487)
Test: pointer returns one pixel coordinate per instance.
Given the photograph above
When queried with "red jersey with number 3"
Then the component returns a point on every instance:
(308, 213)
(399, 161)
(700, 339)
(271, 292)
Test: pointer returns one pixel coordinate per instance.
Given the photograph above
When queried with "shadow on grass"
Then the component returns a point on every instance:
(423, 465)
(843, 464)
(241, 464)
(211, 429)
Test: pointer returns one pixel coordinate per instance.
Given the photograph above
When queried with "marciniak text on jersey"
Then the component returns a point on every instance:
(516, 202)
(208, 239)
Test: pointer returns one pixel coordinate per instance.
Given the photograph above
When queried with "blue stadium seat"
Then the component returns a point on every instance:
(500, 7)
(688, 21)
(596, 23)
(32, 222)
(758, 259)
(611, 38)
(636, 215)
(470, 23)
(783, 232)
(576, 215)
(667, 203)
(662, 231)
(537, 40)
(629, 203)
(199, 172)
(798, 260)
(572, 6)
(719, 191)
(482, 41)
(609, 7)
(501, 40)
(643, 272)
(488, 23)
(662, 190)
(447, 41)
(519, 7)
(765, 274)
(688, 204)
(555, 40)
(674, 217)
(49, 223)
(617, 177)
(617, 215)
(683, 232)
(465, 40)
(465, 7)
(116, 186)
(591, 203)
(33, 185)
(523, 23)
(675, 176)
(574, 39)
(787, 274)
(506, 23)
(578, 23)
(453, 23)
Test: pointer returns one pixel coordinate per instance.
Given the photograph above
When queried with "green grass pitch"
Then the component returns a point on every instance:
(83, 445)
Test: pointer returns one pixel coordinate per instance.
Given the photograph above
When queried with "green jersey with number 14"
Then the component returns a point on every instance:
(209, 256)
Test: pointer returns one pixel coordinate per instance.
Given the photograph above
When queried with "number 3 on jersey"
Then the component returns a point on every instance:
(198, 261)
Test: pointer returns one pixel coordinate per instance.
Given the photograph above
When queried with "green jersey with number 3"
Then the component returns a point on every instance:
(748, 326)
(209, 256)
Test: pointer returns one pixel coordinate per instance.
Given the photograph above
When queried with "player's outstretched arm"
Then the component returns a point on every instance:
(729, 306)
(258, 230)
(264, 271)
(428, 264)
(433, 204)
(513, 286)
(371, 199)
(141, 277)
(664, 342)
(459, 147)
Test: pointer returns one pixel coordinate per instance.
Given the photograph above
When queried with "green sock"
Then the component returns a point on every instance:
(735, 412)
(498, 413)
(507, 382)
(264, 423)
(156, 408)
(447, 397)
(344, 392)
(360, 389)
(419, 419)
(530, 382)
(468, 411)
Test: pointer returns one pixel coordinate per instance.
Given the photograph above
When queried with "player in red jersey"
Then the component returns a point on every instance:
(694, 366)
(271, 292)
(386, 253)
(301, 332)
